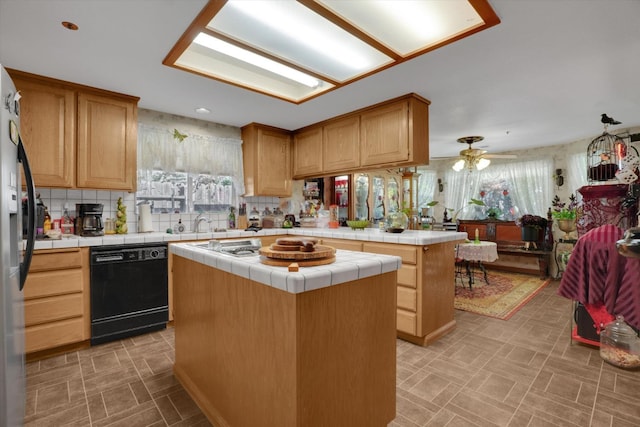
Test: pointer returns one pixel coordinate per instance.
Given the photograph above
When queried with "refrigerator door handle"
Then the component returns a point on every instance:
(31, 214)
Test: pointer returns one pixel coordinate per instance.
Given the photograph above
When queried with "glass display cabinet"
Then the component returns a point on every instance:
(376, 194)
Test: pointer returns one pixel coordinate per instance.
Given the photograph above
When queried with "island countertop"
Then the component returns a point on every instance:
(348, 266)
(408, 237)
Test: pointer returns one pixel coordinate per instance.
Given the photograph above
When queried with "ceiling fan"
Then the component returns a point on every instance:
(474, 157)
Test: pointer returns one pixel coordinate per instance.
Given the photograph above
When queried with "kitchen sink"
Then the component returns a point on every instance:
(235, 248)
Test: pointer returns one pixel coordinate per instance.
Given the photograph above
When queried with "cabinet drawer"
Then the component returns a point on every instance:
(406, 321)
(408, 253)
(57, 260)
(49, 283)
(51, 309)
(50, 335)
(347, 245)
(408, 275)
(407, 298)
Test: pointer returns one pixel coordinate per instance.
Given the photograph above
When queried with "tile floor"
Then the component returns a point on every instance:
(488, 372)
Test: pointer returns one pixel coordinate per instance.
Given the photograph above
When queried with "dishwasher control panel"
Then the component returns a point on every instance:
(128, 253)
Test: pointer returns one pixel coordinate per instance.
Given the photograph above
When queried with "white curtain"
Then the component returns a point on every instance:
(158, 149)
(577, 167)
(426, 187)
(459, 189)
(529, 183)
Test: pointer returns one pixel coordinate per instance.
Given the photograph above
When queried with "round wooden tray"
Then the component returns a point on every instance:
(319, 252)
(301, 263)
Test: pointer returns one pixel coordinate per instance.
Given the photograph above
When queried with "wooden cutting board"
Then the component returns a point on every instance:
(301, 263)
(319, 253)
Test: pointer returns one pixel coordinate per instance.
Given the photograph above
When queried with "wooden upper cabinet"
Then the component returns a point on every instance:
(341, 142)
(107, 143)
(77, 136)
(307, 152)
(395, 134)
(48, 131)
(266, 153)
(392, 134)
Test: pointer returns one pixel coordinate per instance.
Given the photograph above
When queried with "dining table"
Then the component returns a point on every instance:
(476, 253)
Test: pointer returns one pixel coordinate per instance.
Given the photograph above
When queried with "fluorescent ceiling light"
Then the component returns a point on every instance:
(299, 49)
(254, 59)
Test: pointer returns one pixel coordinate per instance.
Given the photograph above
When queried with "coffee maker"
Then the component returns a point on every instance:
(89, 219)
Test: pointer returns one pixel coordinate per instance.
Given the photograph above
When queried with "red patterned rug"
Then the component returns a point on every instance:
(505, 294)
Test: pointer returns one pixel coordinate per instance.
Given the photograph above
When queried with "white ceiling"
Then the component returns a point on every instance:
(541, 77)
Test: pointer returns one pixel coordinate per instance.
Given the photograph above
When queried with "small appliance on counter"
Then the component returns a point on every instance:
(89, 219)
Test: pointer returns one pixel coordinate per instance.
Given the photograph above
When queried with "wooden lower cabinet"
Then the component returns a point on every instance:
(347, 245)
(57, 300)
(425, 289)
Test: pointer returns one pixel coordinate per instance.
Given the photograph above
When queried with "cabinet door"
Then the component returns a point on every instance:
(307, 153)
(385, 135)
(267, 161)
(47, 127)
(107, 140)
(340, 147)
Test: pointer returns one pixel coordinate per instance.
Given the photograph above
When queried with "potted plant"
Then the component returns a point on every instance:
(565, 214)
(494, 213)
(531, 225)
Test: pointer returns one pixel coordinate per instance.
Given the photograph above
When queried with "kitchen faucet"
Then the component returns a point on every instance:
(196, 222)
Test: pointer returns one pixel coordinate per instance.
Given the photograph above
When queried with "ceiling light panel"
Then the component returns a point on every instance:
(210, 62)
(408, 26)
(296, 34)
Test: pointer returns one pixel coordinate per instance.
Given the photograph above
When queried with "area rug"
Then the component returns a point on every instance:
(505, 294)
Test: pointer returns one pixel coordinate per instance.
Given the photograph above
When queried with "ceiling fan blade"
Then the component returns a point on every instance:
(500, 156)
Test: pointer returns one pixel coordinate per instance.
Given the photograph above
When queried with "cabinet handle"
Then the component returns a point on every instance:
(425, 248)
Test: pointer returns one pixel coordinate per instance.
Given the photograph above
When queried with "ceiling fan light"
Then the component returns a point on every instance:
(459, 165)
(482, 163)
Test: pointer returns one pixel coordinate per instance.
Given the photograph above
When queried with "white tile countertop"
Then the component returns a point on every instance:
(348, 266)
(408, 237)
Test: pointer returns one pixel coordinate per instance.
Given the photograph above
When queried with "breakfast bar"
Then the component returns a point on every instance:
(259, 345)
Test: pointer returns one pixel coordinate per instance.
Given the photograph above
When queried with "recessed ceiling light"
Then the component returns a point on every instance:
(202, 110)
(297, 50)
(70, 25)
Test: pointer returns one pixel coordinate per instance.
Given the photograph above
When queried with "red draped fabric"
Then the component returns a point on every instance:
(597, 274)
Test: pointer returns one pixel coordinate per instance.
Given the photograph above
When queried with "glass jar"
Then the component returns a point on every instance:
(620, 345)
(333, 216)
(396, 222)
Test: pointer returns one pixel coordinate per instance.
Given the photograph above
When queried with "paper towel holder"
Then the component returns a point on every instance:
(144, 217)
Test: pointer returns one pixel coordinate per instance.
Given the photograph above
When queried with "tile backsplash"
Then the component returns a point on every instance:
(55, 200)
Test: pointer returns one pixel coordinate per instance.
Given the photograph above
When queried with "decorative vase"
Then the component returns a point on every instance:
(567, 225)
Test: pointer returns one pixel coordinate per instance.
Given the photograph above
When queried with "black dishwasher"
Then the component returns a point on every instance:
(129, 291)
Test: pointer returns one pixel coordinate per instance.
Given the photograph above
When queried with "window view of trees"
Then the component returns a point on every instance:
(181, 192)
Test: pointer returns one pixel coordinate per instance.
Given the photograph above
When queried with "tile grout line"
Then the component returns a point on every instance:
(145, 385)
(593, 408)
(84, 388)
(537, 375)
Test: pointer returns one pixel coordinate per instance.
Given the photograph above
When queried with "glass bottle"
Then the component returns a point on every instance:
(47, 220)
(232, 218)
(66, 223)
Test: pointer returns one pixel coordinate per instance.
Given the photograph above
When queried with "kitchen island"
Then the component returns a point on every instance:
(258, 345)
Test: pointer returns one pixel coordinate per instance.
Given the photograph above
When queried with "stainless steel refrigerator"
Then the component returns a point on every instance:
(14, 261)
